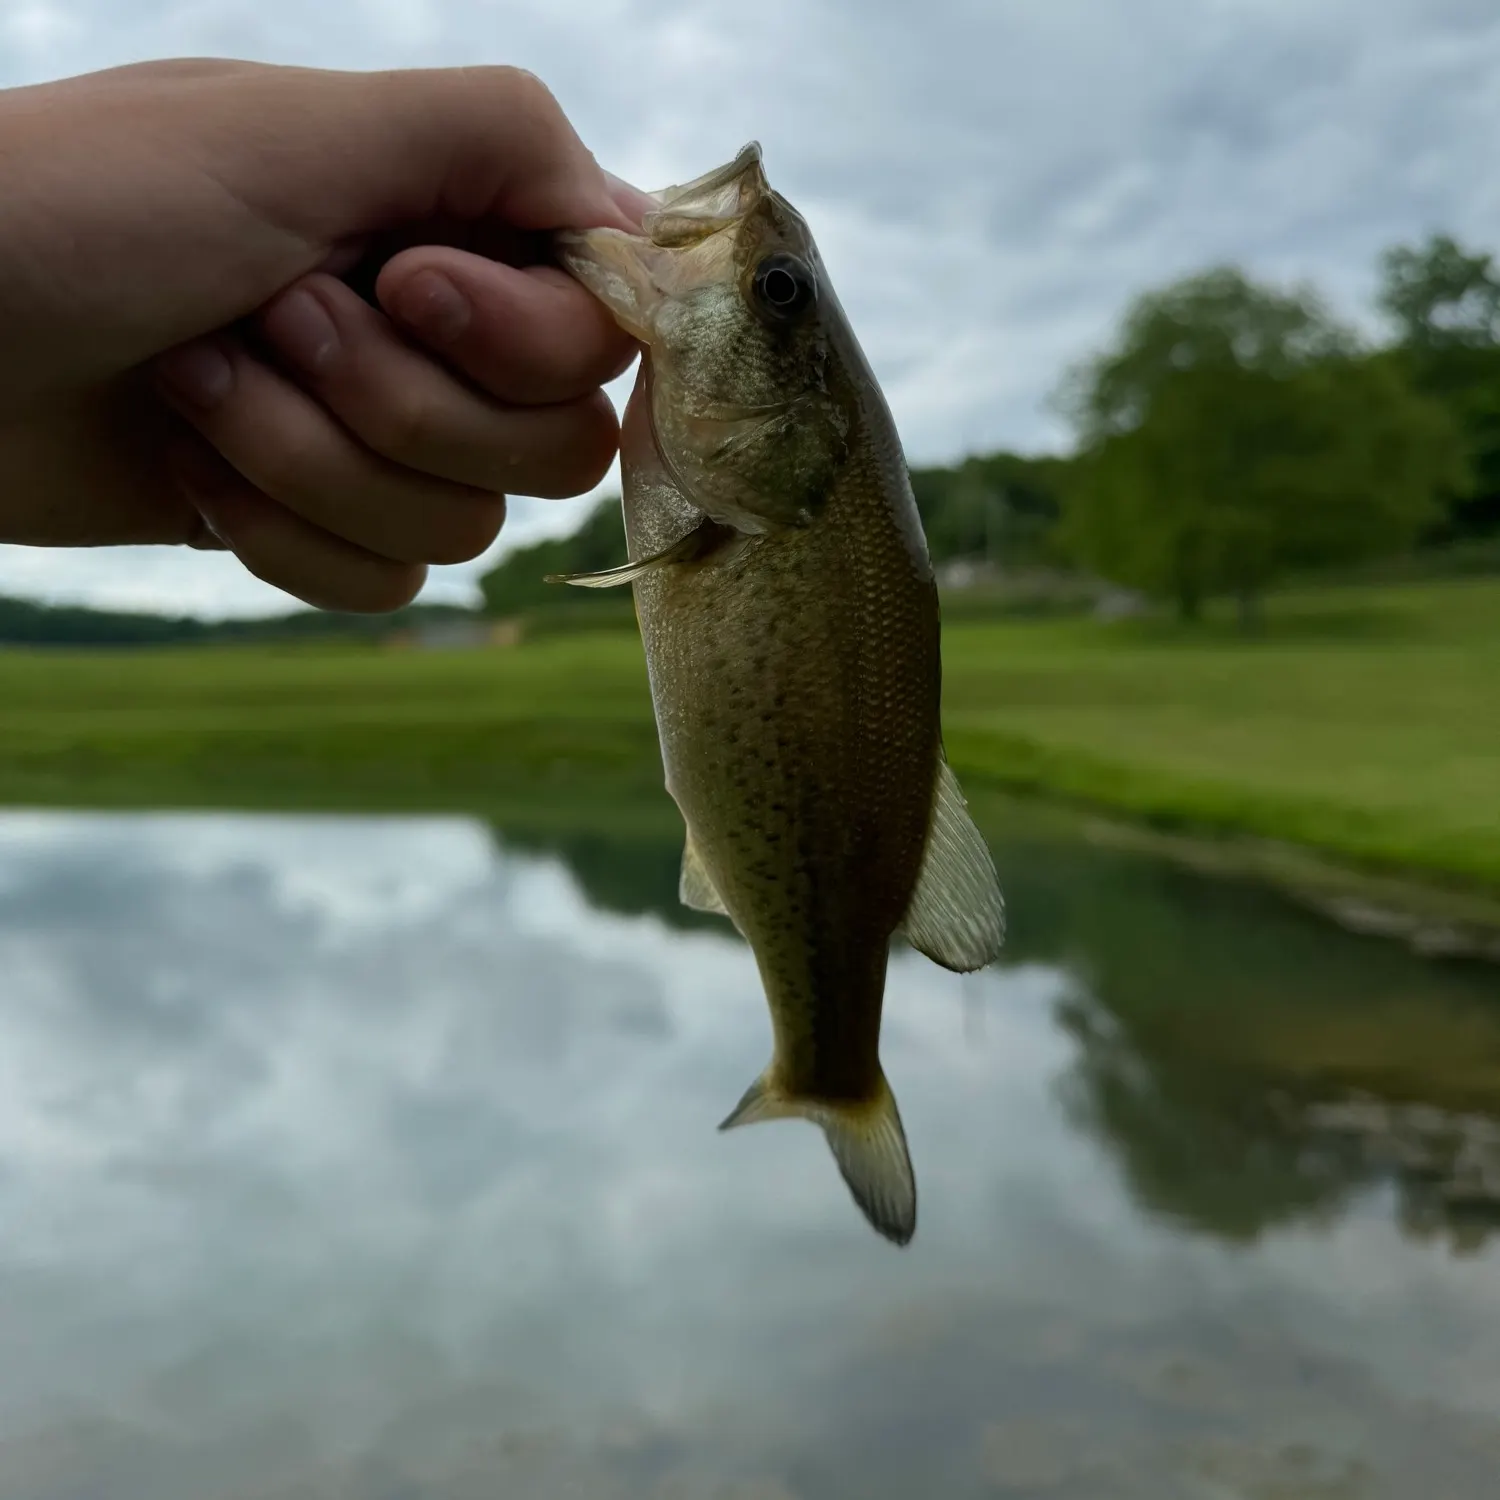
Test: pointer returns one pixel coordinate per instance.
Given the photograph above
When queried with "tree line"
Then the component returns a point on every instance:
(1230, 433)
(24, 622)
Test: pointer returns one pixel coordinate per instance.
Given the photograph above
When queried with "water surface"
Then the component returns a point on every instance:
(376, 1159)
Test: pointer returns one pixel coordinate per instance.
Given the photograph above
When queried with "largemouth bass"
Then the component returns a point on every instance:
(789, 615)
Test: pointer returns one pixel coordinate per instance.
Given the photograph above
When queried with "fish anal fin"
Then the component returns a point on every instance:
(761, 1101)
(705, 538)
(868, 1142)
(957, 913)
(695, 888)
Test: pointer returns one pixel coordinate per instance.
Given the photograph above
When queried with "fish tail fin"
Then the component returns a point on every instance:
(868, 1142)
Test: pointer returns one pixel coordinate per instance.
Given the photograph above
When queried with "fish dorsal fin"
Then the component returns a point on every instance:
(695, 888)
(957, 914)
(868, 1143)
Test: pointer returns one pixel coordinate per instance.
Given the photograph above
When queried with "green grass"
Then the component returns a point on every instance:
(323, 727)
(1364, 723)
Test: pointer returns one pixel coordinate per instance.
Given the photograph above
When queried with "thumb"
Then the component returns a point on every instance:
(337, 154)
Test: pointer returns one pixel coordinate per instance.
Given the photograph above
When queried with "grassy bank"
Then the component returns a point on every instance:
(1364, 723)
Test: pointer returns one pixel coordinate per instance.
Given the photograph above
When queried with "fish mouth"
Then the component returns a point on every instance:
(747, 162)
(634, 274)
(692, 211)
(626, 272)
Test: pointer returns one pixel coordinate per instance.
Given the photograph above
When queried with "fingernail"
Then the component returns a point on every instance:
(197, 375)
(432, 306)
(345, 255)
(299, 327)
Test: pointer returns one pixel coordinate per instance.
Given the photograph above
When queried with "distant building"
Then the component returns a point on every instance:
(456, 635)
(1120, 604)
(964, 573)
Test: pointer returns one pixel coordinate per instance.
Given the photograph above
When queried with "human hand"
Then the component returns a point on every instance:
(184, 360)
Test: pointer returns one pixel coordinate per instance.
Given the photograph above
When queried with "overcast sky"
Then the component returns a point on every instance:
(989, 180)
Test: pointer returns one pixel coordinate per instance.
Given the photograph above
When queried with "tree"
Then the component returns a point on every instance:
(1235, 432)
(1440, 296)
(518, 581)
(1444, 305)
(1000, 507)
(1217, 320)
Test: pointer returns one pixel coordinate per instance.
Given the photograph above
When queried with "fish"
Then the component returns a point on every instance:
(789, 615)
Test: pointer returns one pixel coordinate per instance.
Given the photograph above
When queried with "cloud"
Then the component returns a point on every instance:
(990, 180)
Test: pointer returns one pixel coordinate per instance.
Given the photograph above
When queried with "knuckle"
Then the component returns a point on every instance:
(293, 466)
(530, 93)
(468, 531)
(379, 591)
(583, 455)
(402, 424)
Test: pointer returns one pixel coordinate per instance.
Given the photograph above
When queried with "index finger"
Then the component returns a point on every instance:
(528, 336)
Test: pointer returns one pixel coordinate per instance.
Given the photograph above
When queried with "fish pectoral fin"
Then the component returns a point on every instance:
(695, 888)
(957, 913)
(706, 537)
(868, 1142)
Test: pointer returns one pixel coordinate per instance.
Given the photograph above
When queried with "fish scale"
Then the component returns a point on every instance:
(789, 616)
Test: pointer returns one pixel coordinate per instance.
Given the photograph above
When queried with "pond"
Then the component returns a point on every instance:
(375, 1158)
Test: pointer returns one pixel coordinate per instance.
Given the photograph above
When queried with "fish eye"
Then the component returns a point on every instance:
(784, 286)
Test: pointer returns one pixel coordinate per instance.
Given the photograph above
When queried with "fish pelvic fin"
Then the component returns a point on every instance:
(695, 886)
(957, 913)
(705, 538)
(868, 1142)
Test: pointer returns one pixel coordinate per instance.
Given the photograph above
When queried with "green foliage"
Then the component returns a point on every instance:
(1233, 432)
(1218, 320)
(517, 584)
(1236, 433)
(1444, 303)
(1000, 507)
(1440, 296)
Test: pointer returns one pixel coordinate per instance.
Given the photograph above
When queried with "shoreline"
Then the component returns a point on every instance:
(1349, 756)
(1434, 919)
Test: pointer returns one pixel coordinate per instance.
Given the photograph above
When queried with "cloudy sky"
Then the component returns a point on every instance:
(989, 180)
